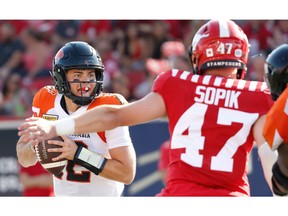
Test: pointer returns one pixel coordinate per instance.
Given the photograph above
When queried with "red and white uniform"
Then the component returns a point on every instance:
(76, 180)
(210, 124)
(276, 124)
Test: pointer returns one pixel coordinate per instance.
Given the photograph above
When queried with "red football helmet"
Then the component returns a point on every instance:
(217, 44)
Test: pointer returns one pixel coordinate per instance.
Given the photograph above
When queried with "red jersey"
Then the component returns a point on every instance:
(164, 156)
(210, 124)
(276, 124)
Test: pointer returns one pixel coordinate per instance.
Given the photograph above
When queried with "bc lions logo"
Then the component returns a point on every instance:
(59, 55)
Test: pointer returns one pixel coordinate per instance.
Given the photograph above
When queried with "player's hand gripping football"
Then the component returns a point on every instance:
(38, 129)
(67, 148)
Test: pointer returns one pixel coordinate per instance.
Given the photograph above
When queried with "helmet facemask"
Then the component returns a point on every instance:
(63, 87)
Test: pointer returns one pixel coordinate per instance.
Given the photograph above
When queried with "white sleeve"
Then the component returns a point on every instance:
(118, 137)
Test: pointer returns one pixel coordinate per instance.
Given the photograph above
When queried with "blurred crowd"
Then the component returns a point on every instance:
(134, 52)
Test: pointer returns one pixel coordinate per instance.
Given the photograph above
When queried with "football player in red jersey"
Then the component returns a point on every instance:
(276, 124)
(78, 75)
(214, 116)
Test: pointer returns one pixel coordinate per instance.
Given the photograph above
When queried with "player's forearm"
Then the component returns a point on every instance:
(120, 167)
(115, 170)
(107, 117)
(101, 118)
(97, 119)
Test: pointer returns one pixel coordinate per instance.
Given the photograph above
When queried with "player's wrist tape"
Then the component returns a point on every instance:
(65, 126)
(281, 179)
(90, 160)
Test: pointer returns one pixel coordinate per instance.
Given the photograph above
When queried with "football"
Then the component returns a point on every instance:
(45, 157)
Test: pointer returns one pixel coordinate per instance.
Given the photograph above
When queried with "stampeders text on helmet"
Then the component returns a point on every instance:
(224, 64)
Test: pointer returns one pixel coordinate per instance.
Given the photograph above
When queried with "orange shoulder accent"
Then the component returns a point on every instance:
(102, 136)
(108, 98)
(277, 120)
(44, 99)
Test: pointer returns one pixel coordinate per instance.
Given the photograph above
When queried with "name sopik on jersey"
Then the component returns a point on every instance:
(211, 95)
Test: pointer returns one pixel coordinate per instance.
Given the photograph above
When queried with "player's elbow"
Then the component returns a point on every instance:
(128, 178)
(128, 174)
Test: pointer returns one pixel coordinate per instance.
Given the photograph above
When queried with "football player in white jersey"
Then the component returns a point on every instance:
(78, 75)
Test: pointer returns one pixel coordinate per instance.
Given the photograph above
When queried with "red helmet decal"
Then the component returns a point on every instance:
(59, 55)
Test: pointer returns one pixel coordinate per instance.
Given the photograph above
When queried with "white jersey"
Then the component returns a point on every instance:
(76, 180)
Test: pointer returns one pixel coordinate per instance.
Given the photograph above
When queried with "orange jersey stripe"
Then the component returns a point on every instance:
(276, 124)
